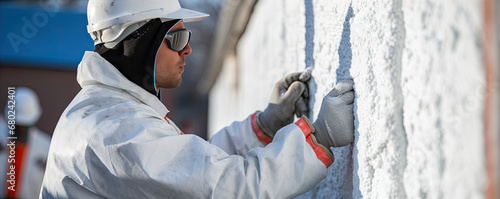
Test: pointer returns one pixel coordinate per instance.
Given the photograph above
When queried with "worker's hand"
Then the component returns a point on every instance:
(335, 124)
(290, 96)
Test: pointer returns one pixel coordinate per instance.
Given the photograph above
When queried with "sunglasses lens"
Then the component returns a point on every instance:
(180, 40)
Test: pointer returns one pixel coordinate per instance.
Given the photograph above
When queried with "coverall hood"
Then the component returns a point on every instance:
(135, 56)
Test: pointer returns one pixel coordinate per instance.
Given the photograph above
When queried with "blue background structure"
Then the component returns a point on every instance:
(41, 36)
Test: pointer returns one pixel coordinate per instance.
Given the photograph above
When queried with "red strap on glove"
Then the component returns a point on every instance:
(320, 151)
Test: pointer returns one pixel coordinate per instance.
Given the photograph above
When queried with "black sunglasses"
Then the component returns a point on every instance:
(178, 40)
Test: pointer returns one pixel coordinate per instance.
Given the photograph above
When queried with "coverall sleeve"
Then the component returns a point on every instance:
(186, 166)
(238, 138)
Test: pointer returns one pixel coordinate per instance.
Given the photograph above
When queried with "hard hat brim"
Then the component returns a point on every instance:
(186, 15)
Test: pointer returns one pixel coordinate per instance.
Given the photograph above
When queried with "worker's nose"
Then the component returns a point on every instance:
(186, 51)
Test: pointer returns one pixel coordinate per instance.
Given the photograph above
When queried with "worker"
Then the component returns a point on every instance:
(114, 140)
(26, 149)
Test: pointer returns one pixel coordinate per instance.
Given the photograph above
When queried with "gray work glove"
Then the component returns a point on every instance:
(335, 123)
(290, 96)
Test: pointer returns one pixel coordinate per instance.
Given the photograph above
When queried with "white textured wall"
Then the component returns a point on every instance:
(419, 86)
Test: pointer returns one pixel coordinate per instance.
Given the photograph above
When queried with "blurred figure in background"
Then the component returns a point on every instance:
(31, 147)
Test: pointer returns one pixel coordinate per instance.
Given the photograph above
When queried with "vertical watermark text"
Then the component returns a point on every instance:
(11, 140)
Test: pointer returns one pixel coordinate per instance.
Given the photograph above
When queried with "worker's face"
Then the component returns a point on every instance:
(170, 64)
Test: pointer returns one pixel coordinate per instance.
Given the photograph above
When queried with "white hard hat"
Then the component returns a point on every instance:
(27, 107)
(112, 20)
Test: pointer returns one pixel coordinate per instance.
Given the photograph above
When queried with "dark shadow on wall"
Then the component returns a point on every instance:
(345, 51)
(343, 73)
(339, 180)
(309, 33)
(309, 50)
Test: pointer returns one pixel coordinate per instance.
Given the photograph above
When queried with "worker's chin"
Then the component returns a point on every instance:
(178, 84)
(179, 81)
(172, 84)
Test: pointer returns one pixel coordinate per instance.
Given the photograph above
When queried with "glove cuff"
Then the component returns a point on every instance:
(325, 150)
(321, 151)
(263, 137)
(259, 124)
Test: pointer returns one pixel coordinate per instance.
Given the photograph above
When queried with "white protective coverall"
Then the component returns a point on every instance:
(113, 141)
